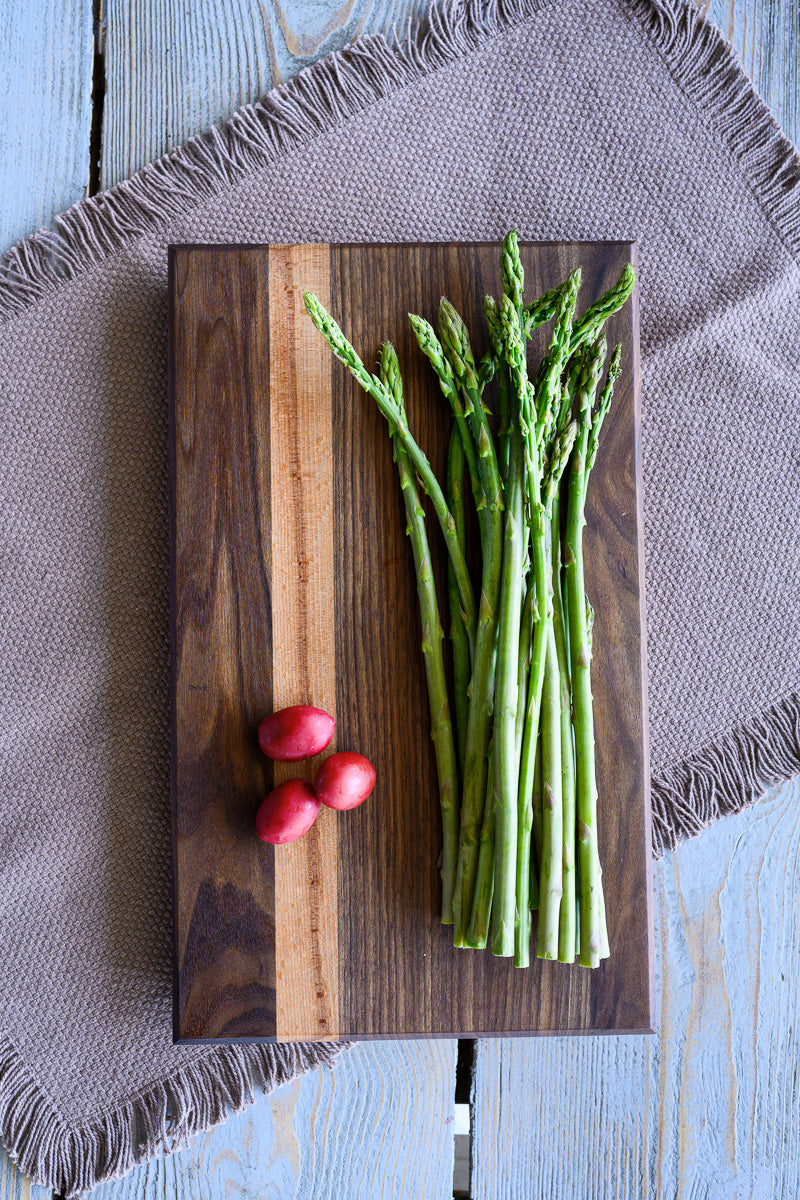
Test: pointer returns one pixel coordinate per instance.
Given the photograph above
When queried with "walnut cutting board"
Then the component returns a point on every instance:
(292, 581)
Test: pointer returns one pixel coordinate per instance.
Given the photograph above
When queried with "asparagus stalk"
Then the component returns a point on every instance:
(566, 925)
(537, 417)
(458, 633)
(540, 311)
(604, 949)
(431, 347)
(525, 639)
(537, 313)
(552, 796)
(602, 409)
(481, 907)
(550, 879)
(536, 801)
(504, 915)
(492, 314)
(432, 635)
(580, 655)
(398, 425)
(457, 349)
(478, 933)
(577, 949)
(589, 326)
(520, 912)
(506, 701)
(510, 629)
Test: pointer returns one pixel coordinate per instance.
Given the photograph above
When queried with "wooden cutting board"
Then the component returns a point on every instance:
(292, 581)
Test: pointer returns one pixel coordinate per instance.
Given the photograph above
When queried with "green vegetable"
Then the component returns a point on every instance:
(591, 897)
(517, 786)
(458, 633)
(432, 635)
(398, 426)
(458, 352)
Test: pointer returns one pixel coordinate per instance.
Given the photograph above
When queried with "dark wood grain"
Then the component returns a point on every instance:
(221, 665)
(398, 975)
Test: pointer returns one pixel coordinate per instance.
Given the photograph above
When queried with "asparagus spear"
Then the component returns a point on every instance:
(550, 879)
(482, 901)
(537, 418)
(507, 682)
(431, 347)
(457, 349)
(537, 313)
(567, 916)
(520, 911)
(552, 793)
(540, 311)
(536, 803)
(478, 933)
(492, 315)
(505, 917)
(398, 425)
(458, 633)
(604, 948)
(589, 326)
(580, 653)
(506, 700)
(525, 639)
(566, 925)
(432, 635)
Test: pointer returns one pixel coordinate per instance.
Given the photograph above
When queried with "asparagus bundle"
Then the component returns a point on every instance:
(513, 732)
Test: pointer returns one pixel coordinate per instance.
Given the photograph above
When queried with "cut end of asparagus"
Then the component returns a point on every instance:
(503, 940)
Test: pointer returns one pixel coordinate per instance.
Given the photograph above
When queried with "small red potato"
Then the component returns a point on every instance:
(287, 812)
(296, 732)
(344, 780)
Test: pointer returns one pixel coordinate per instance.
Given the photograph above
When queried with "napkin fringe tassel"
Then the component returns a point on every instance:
(74, 1159)
(726, 776)
(349, 81)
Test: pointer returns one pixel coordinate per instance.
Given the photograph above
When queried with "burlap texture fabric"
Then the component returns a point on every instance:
(576, 119)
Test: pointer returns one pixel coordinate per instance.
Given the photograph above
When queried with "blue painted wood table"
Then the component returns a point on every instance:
(711, 1107)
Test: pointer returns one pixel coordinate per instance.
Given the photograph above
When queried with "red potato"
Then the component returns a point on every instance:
(344, 780)
(296, 732)
(287, 812)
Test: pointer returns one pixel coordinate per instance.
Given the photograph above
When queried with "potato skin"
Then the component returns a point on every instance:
(344, 780)
(297, 732)
(287, 812)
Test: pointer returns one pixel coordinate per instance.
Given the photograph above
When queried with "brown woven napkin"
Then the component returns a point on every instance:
(578, 119)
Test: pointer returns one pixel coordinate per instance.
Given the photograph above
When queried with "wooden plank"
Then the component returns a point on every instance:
(765, 34)
(16, 1186)
(45, 111)
(303, 647)
(174, 69)
(710, 1107)
(337, 579)
(377, 1127)
(445, 990)
(221, 665)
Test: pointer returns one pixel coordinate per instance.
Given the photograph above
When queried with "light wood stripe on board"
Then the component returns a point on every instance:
(303, 652)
